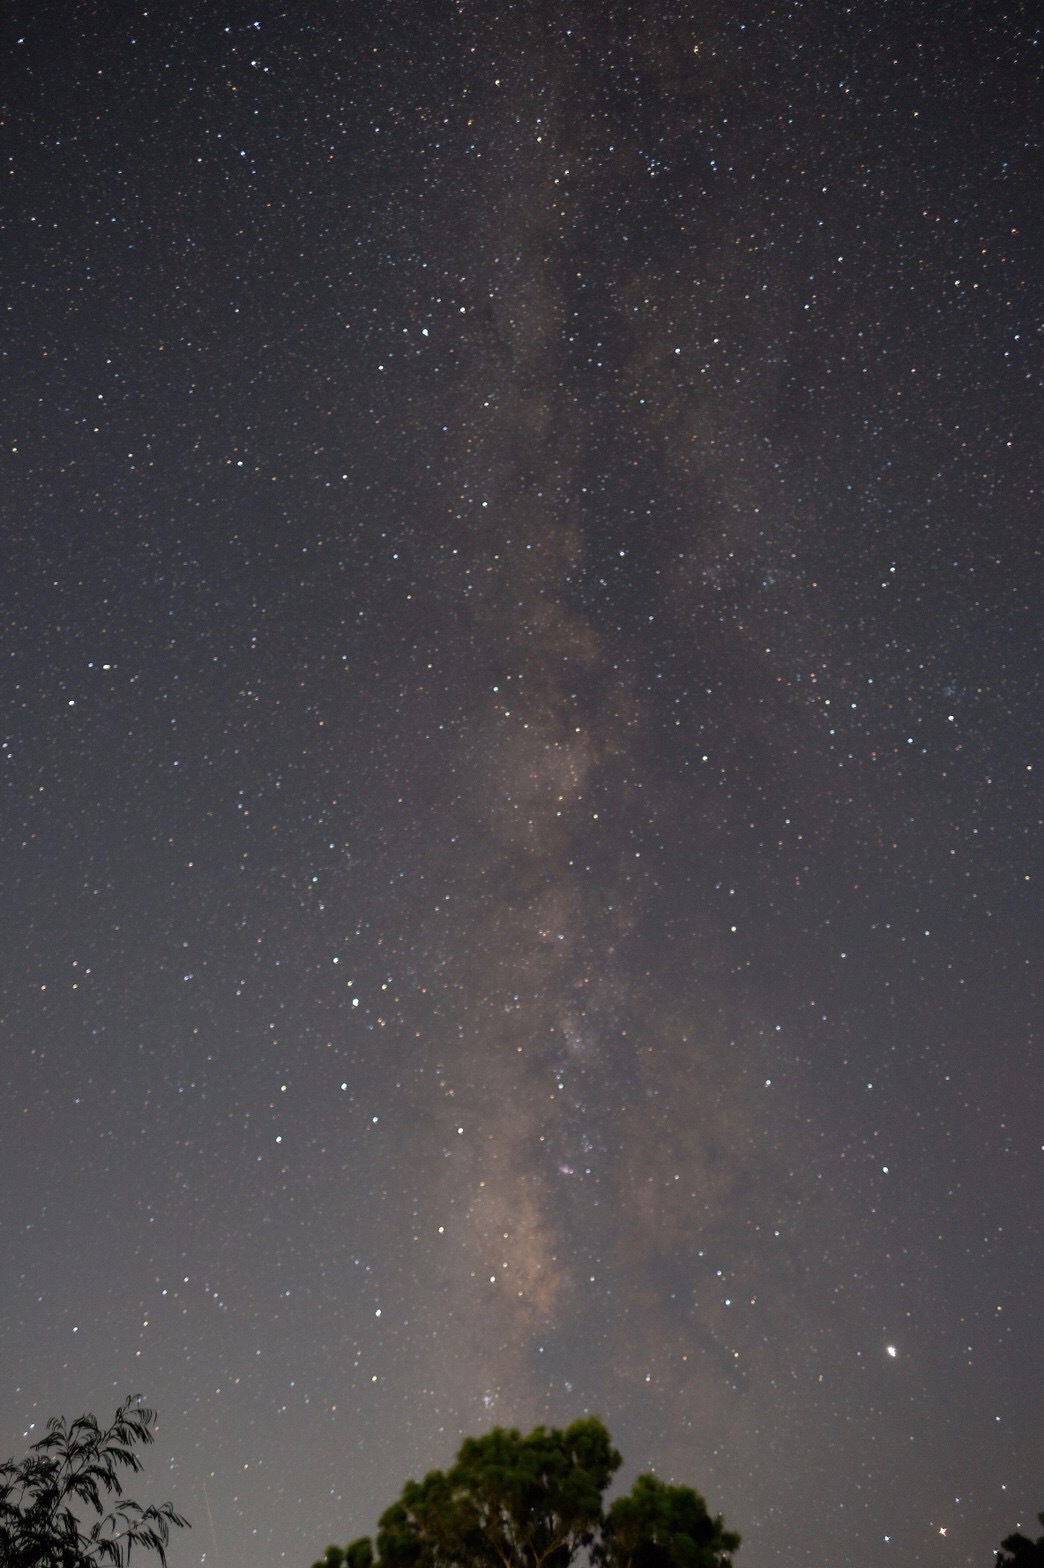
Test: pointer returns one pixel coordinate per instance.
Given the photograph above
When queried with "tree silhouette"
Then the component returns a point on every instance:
(537, 1502)
(1018, 1551)
(661, 1526)
(47, 1499)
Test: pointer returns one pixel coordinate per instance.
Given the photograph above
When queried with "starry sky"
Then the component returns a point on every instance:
(520, 636)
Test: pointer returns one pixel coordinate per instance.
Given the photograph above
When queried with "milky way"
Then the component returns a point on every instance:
(520, 717)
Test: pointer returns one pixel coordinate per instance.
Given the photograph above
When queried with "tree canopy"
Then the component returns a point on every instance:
(1018, 1551)
(47, 1499)
(511, 1501)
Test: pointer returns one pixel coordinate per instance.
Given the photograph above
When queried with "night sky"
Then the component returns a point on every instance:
(520, 638)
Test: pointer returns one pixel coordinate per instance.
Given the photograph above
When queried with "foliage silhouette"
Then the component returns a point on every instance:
(537, 1502)
(1018, 1551)
(46, 1500)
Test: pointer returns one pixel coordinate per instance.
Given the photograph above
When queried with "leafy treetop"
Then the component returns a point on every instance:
(47, 1499)
(660, 1526)
(1018, 1551)
(537, 1502)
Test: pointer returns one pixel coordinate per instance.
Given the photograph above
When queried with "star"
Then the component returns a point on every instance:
(455, 777)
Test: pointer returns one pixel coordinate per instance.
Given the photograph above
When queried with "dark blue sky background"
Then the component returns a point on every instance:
(521, 628)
